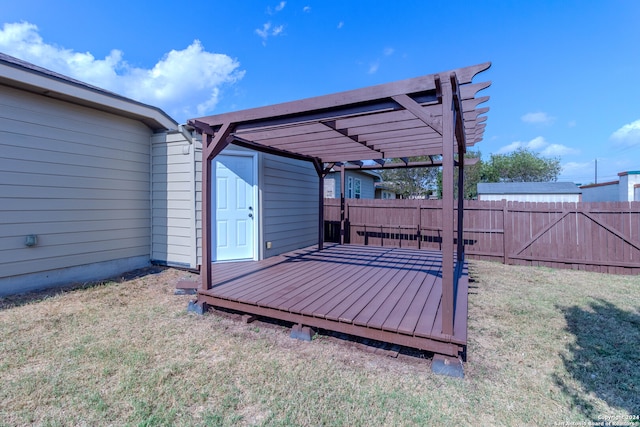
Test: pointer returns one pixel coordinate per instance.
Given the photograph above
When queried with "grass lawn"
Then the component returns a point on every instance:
(545, 347)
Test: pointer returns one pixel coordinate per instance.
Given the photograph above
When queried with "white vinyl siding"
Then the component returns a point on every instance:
(77, 178)
(173, 201)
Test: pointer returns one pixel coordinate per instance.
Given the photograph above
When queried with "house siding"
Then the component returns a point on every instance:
(77, 178)
(173, 201)
(285, 186)
(600, 193)
(289, 197)
(573, 198)
(367, 189)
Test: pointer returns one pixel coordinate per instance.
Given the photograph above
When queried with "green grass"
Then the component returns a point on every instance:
(545, 346)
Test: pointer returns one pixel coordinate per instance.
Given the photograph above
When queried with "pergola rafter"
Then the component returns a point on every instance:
(432, 115)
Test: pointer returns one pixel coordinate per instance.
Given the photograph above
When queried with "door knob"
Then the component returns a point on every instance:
(250, 215)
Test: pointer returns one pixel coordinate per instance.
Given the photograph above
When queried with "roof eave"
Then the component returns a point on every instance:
(16, 76)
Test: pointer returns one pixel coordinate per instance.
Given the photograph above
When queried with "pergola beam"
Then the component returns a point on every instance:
(431, 115)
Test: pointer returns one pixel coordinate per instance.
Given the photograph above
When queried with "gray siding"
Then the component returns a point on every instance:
(288, 199)
(173, 201)
(573, 198)
(601, 193)
(289, 193)
(77, 178)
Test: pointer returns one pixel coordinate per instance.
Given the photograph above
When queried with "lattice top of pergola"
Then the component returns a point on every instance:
(378, 123)
(432, 115)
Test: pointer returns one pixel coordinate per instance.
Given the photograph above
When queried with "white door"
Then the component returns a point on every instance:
(235, 208)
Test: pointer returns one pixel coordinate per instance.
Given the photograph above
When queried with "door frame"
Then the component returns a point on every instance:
(255, 203)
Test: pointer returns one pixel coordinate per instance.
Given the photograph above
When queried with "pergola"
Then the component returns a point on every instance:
(377, 127)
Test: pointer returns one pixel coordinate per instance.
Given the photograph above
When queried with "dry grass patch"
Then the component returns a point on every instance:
(545, 346)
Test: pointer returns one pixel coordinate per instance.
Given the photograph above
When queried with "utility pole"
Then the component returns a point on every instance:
(596, 170)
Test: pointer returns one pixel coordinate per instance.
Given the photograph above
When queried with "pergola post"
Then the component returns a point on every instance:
(342, 205)
(448, 273)
(460, 234)
(213, 142)
(322, 172)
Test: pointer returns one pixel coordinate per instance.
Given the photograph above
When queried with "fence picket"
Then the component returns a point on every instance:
(593, 236)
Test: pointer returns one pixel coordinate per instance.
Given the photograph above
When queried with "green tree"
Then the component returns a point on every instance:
(411, 182)
(473, 173)
(521, 165)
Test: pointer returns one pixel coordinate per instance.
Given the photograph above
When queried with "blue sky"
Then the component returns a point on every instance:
(565, 73)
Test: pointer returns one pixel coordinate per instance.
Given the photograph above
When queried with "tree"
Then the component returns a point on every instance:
(472, 175)
(411, 183)
(521, 165)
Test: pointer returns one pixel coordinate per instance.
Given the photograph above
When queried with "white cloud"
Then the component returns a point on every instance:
(340, 24)
(577, 171)
(388, 51)
(628, 135)
(184, 83)
(509, 148)
(266, 31)
(540, 145)
(306, 9)
(538, 118)
(373, 68)
(277, 8)
(558, 150)
(573, 167)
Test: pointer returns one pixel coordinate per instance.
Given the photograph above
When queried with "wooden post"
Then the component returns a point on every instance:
(205, 268)
(460, 252)
(213, 142)
(342, 205)
(321, 212)
(419, 228)
(448, 273)
(505, 218)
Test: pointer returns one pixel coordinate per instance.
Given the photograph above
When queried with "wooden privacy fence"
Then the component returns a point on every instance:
(602, 237)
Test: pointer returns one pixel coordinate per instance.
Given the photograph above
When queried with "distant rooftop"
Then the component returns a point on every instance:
(528, 188)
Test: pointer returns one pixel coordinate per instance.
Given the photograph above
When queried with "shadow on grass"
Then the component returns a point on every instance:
(604, 360)
(18, 300)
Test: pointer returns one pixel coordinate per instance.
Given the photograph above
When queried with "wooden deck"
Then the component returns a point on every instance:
(387, 294)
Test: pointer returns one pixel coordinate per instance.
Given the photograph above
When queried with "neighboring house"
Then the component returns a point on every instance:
(360, 184)
(625, 189)
(385, 191)
(93, 184)
(529, 191)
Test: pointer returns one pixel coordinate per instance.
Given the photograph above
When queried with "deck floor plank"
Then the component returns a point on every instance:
(355, 288)
(403, 307)
(390, 304)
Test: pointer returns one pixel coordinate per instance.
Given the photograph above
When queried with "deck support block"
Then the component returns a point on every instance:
(302, 333)
(198, 307)
(249, 318)
(447, 365)
(186, 287)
